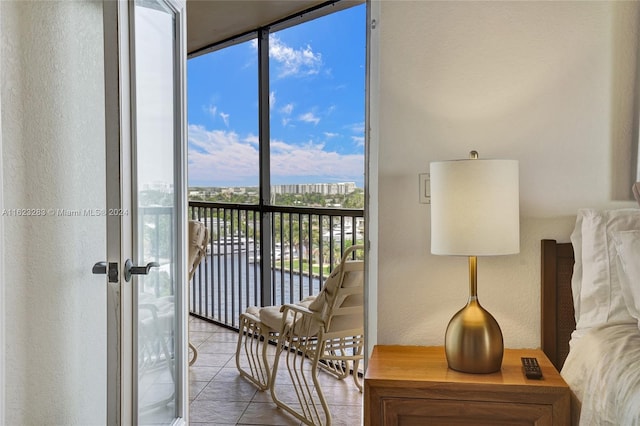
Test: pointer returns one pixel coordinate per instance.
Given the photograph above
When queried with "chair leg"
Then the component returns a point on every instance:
(312, 409)
(334, 362)
(337, 368)
(356, 377)
(194, 354)
(253, 339)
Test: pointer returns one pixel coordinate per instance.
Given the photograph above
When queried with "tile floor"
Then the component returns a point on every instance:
(219, 396)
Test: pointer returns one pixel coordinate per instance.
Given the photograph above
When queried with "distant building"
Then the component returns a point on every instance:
(341, 188)
(158, 186)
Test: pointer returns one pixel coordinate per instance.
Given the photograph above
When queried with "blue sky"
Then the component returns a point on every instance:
(317, 105)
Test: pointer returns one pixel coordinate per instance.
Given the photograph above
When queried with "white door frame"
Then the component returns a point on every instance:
(117, 126)
(121, 405)
(2, 269)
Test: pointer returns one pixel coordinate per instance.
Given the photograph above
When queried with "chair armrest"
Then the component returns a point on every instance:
(302, 321)
(295, 308)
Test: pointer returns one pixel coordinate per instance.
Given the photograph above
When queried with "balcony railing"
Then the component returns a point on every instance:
(301, 246)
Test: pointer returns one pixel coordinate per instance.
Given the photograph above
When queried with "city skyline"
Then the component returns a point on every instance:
(316, 106)
(295, 188)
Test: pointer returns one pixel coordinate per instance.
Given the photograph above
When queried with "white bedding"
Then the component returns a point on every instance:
(603, 371)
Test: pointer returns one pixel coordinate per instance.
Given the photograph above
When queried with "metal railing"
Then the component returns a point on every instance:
(301, 245)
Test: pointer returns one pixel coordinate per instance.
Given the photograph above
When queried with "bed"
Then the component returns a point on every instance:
(590, 310)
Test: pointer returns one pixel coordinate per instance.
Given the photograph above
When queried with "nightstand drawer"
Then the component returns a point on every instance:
(419, 412)
(412, 385)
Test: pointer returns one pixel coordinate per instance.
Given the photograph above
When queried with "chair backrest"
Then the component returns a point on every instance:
(340, 304)
(198, 240)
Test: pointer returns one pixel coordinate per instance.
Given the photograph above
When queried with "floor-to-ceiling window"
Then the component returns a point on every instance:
(276, 171)
(315, 81)
(276, 131)
(223, 123)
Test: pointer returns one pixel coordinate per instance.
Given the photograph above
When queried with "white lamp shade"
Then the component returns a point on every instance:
(475, 207)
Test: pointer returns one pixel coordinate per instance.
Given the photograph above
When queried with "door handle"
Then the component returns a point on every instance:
(99, 268)
(130, 269)
(110, 269)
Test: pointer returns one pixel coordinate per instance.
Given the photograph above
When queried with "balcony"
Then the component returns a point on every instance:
(219, 395)
(301, 245)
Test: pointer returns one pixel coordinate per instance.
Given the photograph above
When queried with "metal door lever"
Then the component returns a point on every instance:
(130, 269)
(99, 268)
(110, 269)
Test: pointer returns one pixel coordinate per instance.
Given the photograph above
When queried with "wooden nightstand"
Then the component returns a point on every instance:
(412, 385)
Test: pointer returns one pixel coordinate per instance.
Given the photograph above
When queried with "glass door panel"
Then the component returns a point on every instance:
(157, 297)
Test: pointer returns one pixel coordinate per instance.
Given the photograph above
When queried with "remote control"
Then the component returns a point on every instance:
(531, 368)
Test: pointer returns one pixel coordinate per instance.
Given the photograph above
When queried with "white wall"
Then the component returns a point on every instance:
(550, 84)
(52, 105)
(2, 282)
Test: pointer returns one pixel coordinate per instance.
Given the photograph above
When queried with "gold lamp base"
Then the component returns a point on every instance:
(473, 341)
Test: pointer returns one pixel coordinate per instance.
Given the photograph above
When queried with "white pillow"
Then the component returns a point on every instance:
(628, 262)
(596, 288)
(576, 277)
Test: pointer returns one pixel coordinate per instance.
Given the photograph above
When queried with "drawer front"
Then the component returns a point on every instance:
(420, 412)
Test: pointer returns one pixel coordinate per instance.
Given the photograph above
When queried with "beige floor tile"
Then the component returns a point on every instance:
(286, 394)
(198, 337)
(195, 388)
(220, 396)
(207, 359)
(227, 391)
(200, 325)
(199, 373)
(218, 347)
(229, 374)
(260, 413)
(345, 415)
(342, 395)
(191, 423)
(225, 337)
(219, 412)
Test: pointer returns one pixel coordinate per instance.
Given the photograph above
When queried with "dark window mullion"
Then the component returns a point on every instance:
(264, 166)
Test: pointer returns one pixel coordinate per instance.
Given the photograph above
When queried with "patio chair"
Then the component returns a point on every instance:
(198, 240)
(326, 332)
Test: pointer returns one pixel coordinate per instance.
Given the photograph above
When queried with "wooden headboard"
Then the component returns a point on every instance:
(557, 315)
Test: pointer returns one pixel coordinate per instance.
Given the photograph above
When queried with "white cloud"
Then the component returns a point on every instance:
(212, 109)
(331, 135)
(219, 155)
(359, 140)
(309, 117)
(287, 109)
(225, 118)
(272, 99)
(311, 159)
(356, 127)
(286, 112)
(222, 156)
(293, 62)
(252, 139)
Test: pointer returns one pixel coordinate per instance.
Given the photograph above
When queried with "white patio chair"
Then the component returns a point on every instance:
(198, 240)
(324, 332)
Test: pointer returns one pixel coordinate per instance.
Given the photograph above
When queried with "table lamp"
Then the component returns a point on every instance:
(474, 212)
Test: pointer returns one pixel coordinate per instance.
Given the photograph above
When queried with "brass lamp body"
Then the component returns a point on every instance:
(473, 341)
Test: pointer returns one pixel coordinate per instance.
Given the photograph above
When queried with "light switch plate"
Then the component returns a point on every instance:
(424, 188)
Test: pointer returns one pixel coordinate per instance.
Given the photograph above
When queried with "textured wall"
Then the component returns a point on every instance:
(53, 158)
(2, 268)
(550, 84)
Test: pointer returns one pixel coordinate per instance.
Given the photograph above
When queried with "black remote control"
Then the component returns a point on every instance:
(531, 368)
